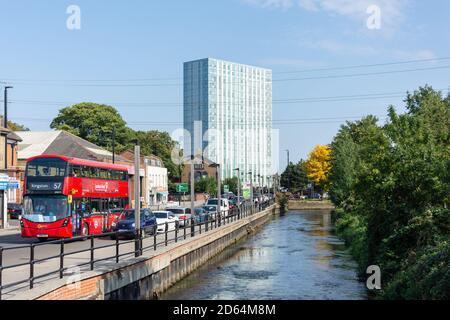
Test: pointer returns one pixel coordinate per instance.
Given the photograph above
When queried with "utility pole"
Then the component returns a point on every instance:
(219, 194)
(114, 144)
(238, 188)
(274, 184)
(287, 170)
(192, 185)
(137, 195)
(251, 188)
(5, 125)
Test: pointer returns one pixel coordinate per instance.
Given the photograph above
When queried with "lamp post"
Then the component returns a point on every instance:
(217, 166)
(5, 120)
(287, 170)
(251, 188)
(114, 145)
(238, 189)
(137, 195)
(192, 185)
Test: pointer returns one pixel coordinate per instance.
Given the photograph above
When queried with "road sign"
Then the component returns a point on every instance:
(182, 187)
(226, 188)
(246, 192)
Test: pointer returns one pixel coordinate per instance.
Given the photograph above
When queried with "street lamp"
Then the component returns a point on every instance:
(5, 119)
(217, 166)
(137, 196)
(251, 188)
(287, 170)
(238, 188)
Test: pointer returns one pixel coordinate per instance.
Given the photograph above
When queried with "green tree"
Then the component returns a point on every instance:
(95, 123)
(17, 127)
(391, 184)
(232, 184)
(294, 177)
(207, 185)
(160, 144)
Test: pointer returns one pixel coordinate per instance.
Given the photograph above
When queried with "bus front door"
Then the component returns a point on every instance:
(77, 215)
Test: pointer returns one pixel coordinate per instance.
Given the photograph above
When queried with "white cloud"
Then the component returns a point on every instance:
(342, 48)
(391, 10)
(283, 4)
(309, 5)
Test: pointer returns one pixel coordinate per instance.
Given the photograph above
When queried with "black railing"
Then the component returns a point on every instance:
(177, 229)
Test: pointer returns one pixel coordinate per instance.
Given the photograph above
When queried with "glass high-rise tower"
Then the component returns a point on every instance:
(228, 115)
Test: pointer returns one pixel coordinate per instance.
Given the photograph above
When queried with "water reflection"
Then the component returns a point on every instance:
(296, 256)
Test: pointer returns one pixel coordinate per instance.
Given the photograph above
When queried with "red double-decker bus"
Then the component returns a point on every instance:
(66, 197)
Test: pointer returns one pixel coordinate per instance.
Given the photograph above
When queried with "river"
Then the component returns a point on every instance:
(295, 256)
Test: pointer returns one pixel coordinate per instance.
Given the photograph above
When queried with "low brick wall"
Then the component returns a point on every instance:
(310, 205)
(147, 277)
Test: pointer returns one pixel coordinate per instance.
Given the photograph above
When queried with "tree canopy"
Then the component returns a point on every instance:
(294, 177)
(318, 166)
(17, 127)
(95, 122)
(391, 184)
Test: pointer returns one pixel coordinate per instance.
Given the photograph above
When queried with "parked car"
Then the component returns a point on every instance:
(233, 203)
(183, 214)
(211, 210)
(239, 200)
(14, 210)
(228, 195)
(200, 215)
(224, 205)
(163, 217)
(126, 223)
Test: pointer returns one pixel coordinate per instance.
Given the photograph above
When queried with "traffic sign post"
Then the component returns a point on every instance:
(182, 187)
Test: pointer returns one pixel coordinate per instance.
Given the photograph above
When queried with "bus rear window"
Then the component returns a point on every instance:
(46, 167)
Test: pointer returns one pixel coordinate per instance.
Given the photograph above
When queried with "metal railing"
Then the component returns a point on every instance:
(181, 231)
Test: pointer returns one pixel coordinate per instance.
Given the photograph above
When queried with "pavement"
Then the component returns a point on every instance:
(13, 227)
(45, 252)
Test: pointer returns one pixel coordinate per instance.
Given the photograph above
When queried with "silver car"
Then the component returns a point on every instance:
(183, 214)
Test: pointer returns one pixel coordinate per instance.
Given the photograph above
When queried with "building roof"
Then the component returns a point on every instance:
(150, 160)
(14, 137)
(35, 143)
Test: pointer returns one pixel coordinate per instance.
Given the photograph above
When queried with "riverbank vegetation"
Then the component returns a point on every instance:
(391, 186)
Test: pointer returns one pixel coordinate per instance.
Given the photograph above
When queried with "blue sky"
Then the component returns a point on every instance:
(129, 40)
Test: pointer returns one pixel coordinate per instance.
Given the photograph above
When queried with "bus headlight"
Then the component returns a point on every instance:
(65, 223)
(21, 223)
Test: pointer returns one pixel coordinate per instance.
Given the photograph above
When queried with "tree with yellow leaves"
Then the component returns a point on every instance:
(318, 165)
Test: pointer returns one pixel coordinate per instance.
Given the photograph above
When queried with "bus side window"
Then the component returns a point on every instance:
(76, 171)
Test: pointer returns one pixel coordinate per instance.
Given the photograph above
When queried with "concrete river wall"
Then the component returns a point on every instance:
(152, 273)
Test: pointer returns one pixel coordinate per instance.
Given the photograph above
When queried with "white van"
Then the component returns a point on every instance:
(224, 205)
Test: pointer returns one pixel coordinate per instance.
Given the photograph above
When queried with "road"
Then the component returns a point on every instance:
(50, 252)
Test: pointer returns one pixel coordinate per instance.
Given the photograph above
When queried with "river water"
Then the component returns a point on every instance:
(295, 256)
